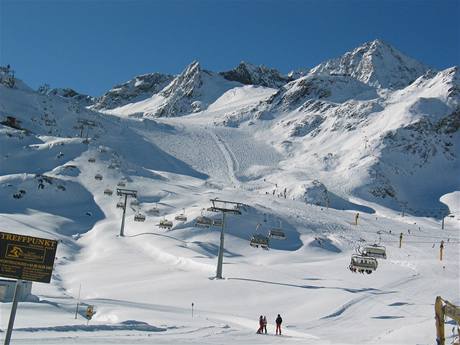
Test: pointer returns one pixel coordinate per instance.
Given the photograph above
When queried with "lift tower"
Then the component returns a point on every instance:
(125, 193)
(224, 207)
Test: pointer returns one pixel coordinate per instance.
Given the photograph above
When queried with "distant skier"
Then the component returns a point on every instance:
(261, 325)
(278, 321)
(265, 324)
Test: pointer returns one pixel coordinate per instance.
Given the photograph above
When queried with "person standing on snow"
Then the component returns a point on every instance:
(278, 321)
(265, 324)
(261, 325)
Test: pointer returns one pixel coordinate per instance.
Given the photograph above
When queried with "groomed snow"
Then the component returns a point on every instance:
(143, 285)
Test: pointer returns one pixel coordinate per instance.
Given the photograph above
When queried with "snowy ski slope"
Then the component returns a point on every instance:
(143, 285)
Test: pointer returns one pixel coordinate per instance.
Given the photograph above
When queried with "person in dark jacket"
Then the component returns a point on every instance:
(278, 321)
(265, 324)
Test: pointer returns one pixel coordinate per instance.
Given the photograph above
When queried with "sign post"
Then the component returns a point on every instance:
(14, 307)
(25, 258)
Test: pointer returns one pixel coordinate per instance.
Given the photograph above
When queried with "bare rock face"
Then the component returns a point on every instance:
(312, 192)
(250, 74)
(71, 94)
(134, 90)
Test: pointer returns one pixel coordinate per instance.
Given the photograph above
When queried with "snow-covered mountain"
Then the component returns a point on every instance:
(374, 63)
(137, 89)
(331, 159)
(250, 74)
(191, 91)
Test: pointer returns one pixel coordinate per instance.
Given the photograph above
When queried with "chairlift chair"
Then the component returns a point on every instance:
(202, 221)
(120, 204)
(217, 222)
(154, 210)
(98, 177)
(121, 184)
(108, 191)
(277, 233)
(181, 217)
(363, 264)
(165, 224)
(259, 239)
(375, 251)
(139, 217)
(92, 160)
(134, 202)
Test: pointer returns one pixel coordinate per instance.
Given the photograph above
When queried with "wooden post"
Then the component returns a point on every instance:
(441, 249)
(400, 239)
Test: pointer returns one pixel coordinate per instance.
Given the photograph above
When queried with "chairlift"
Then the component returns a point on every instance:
(139, 217)
(120, 204)
(108, 191)
(202, 221)
(181, 217)
(154, 210)
(363, 264)
(277, 233)
(121, 184)
(165, 224)
(374, 251)
(98, 177)
(134, 202)
(217, 222)
(259, 239)
(92, 160)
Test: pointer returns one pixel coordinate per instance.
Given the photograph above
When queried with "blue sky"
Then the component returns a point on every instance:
(91, 45)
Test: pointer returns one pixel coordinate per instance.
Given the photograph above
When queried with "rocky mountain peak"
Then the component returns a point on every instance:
(137, 89)
(192, 91)
(187, 82)
(73, 95)
(249, 74)
(375, 63)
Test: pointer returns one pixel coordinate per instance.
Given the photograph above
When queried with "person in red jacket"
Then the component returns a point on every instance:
(261, 325)
(278, 321)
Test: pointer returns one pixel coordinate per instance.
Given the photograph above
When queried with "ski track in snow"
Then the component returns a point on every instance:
(230, 160)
